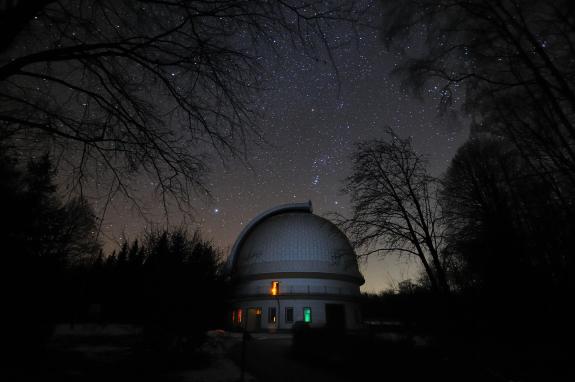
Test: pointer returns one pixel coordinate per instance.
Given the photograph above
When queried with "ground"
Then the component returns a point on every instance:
(93, 352)
(270, 358)
(357, 357)
(115, 352)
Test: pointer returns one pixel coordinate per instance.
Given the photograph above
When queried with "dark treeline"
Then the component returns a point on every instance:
(492, 234)
(405, 309)
(507, 240)
(54, 270)
(42, 237)
(168, 281)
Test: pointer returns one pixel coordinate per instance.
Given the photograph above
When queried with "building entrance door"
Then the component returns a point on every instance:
(254, 319)
(335, 316)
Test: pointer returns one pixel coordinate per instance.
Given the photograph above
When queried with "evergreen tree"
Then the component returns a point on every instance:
(41, 236)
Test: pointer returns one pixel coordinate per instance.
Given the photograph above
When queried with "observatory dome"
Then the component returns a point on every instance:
(290, 239)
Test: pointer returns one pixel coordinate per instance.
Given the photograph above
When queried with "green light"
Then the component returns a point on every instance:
(307, 314)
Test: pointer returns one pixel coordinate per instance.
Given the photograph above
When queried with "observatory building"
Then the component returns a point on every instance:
(289, 265)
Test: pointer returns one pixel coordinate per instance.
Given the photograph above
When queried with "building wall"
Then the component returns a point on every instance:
(297, 293)
(299, 286)
(317, 305)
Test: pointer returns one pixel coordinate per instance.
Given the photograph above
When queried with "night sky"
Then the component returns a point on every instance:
(311, 121)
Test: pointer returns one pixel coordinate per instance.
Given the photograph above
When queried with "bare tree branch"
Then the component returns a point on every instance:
(394, 208)
(146, 87)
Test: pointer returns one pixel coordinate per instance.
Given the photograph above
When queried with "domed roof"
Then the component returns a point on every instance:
(291, 239)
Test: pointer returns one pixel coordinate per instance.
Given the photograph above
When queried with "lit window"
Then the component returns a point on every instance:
(307, 314)
(275, 290)
(289, 314)
(239, 316)
(233, 317)
(258, 311)
(272, 315)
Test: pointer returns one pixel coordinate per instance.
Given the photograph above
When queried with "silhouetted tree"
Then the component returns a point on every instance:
(393, 205)
(482, 209)
(136, 255)
(171, 283)
(509, 192)
(144, 86)
(512, 60)
(184, 290)
(510, 244)
(41, 237)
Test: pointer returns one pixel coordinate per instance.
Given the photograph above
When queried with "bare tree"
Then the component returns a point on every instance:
(394, 205)
(513, 60)
(114, 89)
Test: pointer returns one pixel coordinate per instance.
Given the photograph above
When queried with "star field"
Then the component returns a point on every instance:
(313, 113)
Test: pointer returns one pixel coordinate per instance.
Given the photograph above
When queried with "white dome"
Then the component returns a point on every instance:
(291, 239)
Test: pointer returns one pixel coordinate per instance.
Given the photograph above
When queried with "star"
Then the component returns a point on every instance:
(315, 180)
(312, 116)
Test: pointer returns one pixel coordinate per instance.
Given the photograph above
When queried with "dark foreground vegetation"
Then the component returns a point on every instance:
(467, 336)
(169, 285)
(492, 234)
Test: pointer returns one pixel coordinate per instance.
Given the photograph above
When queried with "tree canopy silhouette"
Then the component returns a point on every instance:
(508, 194)
(512, 60)
(117, 88)
(394, 207)
(41, 237)
(36, 224)
(171, 282)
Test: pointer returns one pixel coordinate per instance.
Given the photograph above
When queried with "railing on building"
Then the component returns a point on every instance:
(303, 289)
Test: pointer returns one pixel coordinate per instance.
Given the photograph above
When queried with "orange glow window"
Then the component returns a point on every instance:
(275, 290)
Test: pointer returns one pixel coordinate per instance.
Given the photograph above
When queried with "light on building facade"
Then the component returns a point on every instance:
(275, 289)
